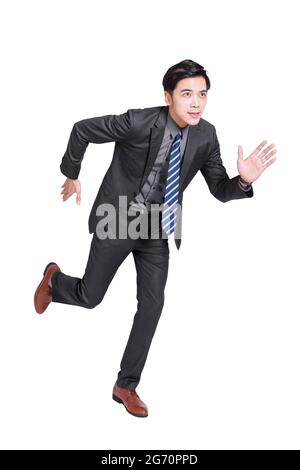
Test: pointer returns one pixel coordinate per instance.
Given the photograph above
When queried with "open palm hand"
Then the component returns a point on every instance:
(253, 166)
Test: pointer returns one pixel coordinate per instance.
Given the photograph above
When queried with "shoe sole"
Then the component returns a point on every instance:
(118, 400)
(35, 294)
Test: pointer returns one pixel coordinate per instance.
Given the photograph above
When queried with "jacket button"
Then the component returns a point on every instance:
(134, 193)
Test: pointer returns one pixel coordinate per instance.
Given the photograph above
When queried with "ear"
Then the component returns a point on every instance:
(168, 98)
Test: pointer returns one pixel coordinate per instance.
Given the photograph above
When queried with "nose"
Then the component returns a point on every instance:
(195, 102)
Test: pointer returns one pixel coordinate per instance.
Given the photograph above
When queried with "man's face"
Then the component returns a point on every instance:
(189, 96)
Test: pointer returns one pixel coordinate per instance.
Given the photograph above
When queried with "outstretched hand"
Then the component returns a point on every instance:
(253, 166)
(70, 187)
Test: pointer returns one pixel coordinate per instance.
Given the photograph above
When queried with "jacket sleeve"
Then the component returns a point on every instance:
(96, 130)
(220, 185)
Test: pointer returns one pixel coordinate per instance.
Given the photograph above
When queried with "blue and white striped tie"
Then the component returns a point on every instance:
(168, 221)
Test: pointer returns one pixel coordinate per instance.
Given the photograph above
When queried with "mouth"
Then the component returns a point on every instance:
(194, 115)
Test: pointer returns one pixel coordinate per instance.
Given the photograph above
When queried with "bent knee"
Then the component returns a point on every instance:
(90, 299)
(91, 303)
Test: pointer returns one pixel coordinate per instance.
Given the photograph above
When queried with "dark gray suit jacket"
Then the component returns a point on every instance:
(137, 134)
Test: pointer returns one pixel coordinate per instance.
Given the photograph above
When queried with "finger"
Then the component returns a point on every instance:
(269, 162)
(266, 150)
(262, 144)
(240, 152)
(67, 195)
(259, 147)
(266, 157)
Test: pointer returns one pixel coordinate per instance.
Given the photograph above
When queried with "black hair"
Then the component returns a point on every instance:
(184, 69)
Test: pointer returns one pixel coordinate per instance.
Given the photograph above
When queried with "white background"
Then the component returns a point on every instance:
(223, 368)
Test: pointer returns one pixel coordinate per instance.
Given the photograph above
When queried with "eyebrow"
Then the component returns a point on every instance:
(188, 89)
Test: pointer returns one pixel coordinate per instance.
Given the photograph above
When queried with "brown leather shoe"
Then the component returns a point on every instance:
(43, 293)
(131, 401)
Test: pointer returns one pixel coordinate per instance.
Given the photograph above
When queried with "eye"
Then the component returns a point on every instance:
(203, 94)
(186, 93)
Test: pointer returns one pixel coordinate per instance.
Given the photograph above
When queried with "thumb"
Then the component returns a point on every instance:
(78, 191)
(240, 152)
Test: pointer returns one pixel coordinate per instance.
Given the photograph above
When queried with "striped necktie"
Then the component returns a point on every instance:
(168, 221)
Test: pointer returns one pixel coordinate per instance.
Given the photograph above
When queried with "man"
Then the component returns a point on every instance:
(157, 153)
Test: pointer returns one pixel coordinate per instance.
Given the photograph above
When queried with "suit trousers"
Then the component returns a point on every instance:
(151, 258)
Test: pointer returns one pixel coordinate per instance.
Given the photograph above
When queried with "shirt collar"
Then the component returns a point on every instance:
(173, 126)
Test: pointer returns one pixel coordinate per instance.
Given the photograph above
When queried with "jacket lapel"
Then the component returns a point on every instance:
(191, 147)
(156, 137)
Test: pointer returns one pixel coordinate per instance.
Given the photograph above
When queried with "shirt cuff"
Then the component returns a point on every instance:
(245, 188)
